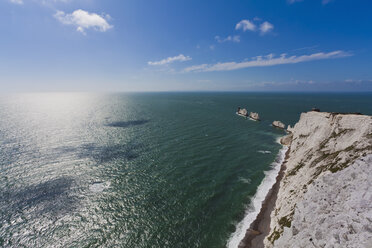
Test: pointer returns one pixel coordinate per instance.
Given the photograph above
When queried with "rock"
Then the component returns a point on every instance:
(278, 124)
(254, 116)
(286, 140)
(242, 112)
(254, 232)
(289, 129)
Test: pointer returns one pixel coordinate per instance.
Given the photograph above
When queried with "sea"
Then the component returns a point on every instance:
(142, 169)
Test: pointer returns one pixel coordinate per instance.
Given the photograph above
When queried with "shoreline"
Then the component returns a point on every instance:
(260, 227)
(255, 207)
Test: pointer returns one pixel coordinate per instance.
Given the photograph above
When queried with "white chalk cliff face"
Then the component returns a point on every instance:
(325, 196)
(336, 211)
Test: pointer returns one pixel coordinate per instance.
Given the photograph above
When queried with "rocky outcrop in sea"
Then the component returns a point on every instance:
(242, 112)
(254, 116)
(278, 124)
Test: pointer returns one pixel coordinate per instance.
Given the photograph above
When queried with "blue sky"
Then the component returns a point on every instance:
(172, 45)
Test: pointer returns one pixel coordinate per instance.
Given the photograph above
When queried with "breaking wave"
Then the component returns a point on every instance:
(255, 206)
(264, 152)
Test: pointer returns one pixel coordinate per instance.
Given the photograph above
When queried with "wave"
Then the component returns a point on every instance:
(245, 180)
(254, 207)
(264, 152)
(97, 187)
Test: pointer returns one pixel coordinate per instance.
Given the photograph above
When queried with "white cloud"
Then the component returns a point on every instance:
(245, 25)
(266, 27)
(235, 38)
(84, 20)
(169, 60)
(269, 60)
(17, 1)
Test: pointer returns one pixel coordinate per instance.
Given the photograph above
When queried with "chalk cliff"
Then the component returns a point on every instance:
(325, 196)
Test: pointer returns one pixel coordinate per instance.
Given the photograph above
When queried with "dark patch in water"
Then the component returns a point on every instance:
(111, 152)
(99, 153)
(51, 197)
(127, 123)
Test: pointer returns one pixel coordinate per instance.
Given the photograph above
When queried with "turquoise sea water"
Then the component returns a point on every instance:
(139, 170)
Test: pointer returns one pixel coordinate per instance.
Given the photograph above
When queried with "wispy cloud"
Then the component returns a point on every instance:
(293, 1)
(169, 60)
(235, 38)
(83, 20)
(17, 1)
(197, 68)
(266, 27)
(313, 86)
(356, 81)
(245, 25)
(43, 2)
(268, 60)
(305, 48)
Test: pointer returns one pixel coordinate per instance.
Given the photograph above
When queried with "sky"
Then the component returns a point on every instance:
(193, 45)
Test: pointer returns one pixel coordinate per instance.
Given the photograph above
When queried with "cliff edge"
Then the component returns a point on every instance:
(325, 196)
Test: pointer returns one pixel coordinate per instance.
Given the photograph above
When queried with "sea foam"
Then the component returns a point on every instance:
(99, 186)
(255, 206)
(264, 152)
